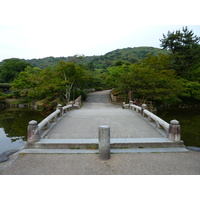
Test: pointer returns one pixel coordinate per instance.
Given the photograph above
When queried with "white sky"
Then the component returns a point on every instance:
(41, 28)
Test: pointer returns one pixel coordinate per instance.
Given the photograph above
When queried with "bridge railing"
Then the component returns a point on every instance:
(78, 101)
(37, 131)
(172, 130)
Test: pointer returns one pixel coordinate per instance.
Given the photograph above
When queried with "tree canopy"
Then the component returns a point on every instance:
(185, 49)
(50, 83)
(147, 82)
(11, 68)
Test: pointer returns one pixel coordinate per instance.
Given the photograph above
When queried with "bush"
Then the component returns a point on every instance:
(98, 88)
(10, 95)
(82, 93)
(2, 97)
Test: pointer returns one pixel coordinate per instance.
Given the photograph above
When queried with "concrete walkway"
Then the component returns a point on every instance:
(89, 164)
(97, 111)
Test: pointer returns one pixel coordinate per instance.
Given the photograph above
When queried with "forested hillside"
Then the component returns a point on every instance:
(130, 55)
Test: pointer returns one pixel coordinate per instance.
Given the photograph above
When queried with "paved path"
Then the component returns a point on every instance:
(97, 111)
(90, 164)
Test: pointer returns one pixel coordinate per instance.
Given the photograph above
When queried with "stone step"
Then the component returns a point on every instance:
(95, 151)
(93, 143)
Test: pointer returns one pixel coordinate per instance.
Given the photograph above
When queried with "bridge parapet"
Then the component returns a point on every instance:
(172, 130)
(78, 101)
(38, 131)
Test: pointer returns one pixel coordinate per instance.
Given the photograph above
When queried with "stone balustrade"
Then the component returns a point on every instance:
(172, 130)
(37, 131)
(78, 102)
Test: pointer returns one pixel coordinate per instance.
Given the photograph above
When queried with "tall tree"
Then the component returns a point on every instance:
(146, 82)
(184, 46)
(71, 76)
(11, 69)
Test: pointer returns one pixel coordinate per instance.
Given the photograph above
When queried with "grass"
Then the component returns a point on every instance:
(92, 147)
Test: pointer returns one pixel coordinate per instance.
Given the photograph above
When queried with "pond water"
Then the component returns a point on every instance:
(14, 122)
(13, 126)
(189, 119)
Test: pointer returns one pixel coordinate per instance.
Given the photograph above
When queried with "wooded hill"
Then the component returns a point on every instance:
(126, 55)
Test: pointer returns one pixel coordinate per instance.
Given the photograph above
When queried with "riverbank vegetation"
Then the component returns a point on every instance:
(165, 76)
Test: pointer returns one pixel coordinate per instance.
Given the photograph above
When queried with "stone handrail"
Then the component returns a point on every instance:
(37, 131)
(160, 123)
(78, 101)
(46, 122)
(50, 120)
(172, 129)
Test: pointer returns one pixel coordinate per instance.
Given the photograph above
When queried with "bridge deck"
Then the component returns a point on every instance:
(97, 110)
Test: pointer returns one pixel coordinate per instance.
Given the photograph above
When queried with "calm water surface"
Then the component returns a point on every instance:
(189, 119)
(13, 127)
(14, 122)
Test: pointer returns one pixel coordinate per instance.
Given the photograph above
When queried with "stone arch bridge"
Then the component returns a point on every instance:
(132, 130)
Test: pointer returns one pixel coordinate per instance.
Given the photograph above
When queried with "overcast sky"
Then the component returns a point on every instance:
(41, 28)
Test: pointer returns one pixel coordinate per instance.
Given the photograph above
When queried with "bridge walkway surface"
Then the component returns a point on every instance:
(97, 111)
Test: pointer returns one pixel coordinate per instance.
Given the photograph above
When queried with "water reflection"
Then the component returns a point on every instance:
(13, 127)
(189, 119)
(7, 143)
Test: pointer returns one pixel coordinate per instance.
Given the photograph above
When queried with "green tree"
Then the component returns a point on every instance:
(147, 83)
(185, 49)
(26, 79)
(155, 85)
(24, 84)
(160, 62)
(71, 76)
(50, 83)
(11, 68)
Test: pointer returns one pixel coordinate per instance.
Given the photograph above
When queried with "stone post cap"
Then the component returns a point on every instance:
(59, 105)
(33, 122)
(144, 106)
(130, 102)
(104, 126)
(174, 122)
(123, 103)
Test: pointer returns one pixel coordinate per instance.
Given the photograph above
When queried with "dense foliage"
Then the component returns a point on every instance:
(151, 81)
(185, 50)
(169, 78)
(10, 68)
(166, 76)
(52, 85)
(185, 61)
(130, 55)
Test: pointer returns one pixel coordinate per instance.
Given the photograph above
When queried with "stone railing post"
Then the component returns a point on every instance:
(123, 105)
(104, 142)
(174, 131)
(130, 103)
(144, 106)
(59, 107)
(33, 132)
